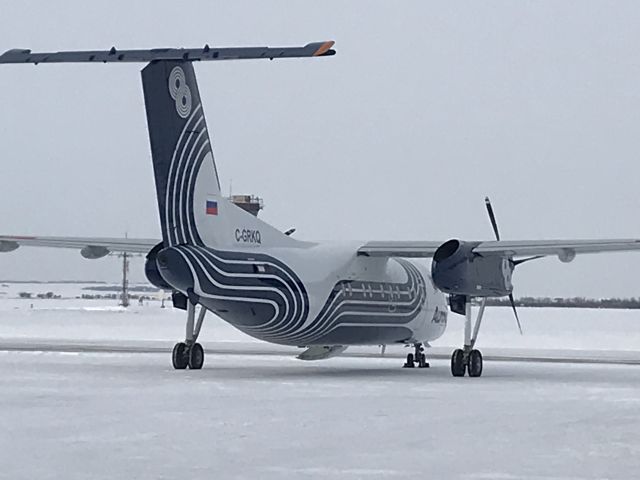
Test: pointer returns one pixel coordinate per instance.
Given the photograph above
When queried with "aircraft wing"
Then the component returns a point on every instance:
(89, 247)
(564, 249)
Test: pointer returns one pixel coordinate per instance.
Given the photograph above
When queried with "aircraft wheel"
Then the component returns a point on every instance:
(457, 363)
(410, 361)
(475, 363)
(422, 361)
(179, 356)
(196, 357)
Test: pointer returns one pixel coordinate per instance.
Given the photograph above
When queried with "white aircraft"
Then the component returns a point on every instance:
(271, 286)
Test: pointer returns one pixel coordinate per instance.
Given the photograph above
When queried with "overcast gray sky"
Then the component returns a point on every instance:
(426, 108)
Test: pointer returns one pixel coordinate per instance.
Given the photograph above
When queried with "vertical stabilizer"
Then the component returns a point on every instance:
(180, 147)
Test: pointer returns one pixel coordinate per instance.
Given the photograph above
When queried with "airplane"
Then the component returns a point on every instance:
(216, 257)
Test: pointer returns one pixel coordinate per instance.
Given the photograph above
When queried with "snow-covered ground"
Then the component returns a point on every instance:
(130, 415)
(78, 416)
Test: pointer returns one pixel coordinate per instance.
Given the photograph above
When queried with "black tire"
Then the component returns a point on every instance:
(457, 363)
(196, 357)
(179, 356)
(410, 361)
(475, 363)
(422, 361)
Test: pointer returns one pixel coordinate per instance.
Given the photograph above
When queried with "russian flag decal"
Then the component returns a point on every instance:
(212, 207)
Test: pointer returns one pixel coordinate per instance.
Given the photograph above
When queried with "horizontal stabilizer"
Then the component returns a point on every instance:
(206, 53)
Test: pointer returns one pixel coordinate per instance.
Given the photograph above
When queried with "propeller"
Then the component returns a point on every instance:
(515, 263)
(515, 312)
(492, 217)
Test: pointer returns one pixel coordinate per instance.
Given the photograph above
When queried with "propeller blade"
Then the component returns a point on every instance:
(515, 312)
(492, 217)
(522, 260)
(494, 224)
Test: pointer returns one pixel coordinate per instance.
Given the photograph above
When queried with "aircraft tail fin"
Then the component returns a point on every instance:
(180, 147)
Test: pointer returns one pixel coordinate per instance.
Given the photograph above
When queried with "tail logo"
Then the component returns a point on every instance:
(180, 91)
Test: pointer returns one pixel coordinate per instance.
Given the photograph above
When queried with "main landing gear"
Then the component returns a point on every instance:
(418, 358)
(468, 360)
(190, 353)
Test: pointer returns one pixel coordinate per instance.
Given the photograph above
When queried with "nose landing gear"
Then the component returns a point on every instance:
(418, 358)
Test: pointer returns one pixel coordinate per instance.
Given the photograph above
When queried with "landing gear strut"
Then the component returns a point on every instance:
(468, 360)
(418, 358)
(190, 353)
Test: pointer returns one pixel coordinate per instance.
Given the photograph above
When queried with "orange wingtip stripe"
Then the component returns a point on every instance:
(324, 48)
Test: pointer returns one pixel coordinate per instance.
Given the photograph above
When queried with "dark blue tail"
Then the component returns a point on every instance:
(180, 144)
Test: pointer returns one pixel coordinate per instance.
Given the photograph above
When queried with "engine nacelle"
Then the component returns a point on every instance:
(151, 269)
(8, 246)
(567, 255)
(93, 252)
(456, 269)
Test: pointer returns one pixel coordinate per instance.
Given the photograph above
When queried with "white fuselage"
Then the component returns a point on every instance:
(312, 294)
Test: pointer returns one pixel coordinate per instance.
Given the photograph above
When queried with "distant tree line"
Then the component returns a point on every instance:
(113, 296)
(38, 295)
(117, 288)
(84, 296)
